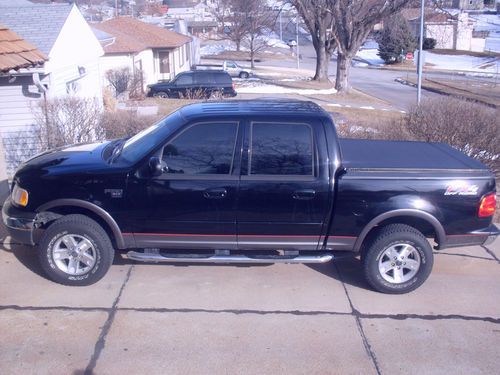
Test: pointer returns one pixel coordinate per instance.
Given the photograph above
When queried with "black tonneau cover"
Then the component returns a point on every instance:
(370, 154)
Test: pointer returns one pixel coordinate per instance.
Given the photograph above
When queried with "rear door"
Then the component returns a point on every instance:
(284, 188)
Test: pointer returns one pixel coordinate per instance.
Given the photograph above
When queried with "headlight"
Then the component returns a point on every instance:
(19, 196)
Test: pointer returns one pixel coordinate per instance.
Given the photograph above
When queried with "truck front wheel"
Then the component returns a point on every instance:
(75, 251)
(398, 260)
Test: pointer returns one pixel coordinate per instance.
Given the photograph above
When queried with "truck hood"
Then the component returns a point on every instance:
(78, 158)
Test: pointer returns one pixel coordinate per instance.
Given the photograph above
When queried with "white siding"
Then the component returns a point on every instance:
(16, 100)
(76, 47)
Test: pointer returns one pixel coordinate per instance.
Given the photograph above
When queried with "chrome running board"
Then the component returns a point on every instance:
(157, 257)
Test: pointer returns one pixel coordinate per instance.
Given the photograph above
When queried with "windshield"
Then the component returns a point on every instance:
(140, 144)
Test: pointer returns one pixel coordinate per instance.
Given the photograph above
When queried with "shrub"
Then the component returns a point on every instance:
(124, 123)
(123, 80)
(470, 127)
(429, 43)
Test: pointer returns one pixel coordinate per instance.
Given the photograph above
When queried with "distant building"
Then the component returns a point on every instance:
(159, 53)
(455, 32)
(468, 4)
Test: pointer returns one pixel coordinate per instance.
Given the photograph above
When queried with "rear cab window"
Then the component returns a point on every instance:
(281, 149)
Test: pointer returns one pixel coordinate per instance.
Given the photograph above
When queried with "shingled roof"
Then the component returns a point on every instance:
(16, 53)
(39, 24)
(132, 36)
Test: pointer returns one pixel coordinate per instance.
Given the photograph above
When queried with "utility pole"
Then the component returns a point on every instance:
(297, 32)
(420, 52)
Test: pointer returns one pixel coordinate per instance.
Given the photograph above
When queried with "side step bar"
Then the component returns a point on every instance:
(157, 257)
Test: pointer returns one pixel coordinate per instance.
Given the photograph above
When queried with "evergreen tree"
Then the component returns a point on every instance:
(395, 40)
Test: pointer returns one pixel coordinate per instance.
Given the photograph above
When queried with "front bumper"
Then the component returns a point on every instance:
(19, 224)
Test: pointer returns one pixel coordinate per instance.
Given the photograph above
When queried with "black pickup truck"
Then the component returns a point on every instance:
(247, 182)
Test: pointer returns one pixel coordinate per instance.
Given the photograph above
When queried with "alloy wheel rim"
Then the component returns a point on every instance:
(74, 254)
(399, 263)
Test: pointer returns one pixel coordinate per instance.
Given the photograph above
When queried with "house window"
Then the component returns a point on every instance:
(164, 58)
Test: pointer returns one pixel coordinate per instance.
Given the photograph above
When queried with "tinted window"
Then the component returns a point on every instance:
(202, 149)
(185, 79)
(202, 78)
(281, 149)
(230, 65)
(223, 78)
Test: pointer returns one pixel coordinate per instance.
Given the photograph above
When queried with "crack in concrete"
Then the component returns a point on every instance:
(101, 341)
(359, 325)
(166, 310)
(464, 256)
(491, 253)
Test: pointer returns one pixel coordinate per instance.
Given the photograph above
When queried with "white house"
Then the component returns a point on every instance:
(62, 34)
(161, 54)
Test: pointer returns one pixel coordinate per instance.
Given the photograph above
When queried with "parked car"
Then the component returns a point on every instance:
(195, 84)
(250, 182)
(231, 67)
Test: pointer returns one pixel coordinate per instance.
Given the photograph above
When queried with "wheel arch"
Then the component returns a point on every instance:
(421, 220)
(67, 206)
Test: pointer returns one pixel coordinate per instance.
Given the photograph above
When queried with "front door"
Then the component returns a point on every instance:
(192, 203)
(284, 188)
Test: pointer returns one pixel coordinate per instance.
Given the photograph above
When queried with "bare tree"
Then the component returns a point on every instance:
(318, 20)
(233, 17)
(353, 20)
(259, 21)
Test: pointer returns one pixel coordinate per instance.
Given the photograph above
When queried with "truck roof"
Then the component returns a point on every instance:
(259, 107)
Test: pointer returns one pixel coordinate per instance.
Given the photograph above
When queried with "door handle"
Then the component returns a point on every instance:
(304, 194)
(216, 193)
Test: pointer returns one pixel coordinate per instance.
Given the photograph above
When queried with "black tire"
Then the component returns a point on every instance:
(405, 275)
(244, 75)
(86, 230)
(161, 94)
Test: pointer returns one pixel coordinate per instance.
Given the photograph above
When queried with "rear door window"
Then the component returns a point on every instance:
(284, 149)
(203, 78)
(223, 79)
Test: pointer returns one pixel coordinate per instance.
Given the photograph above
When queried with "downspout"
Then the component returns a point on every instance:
(43, 90)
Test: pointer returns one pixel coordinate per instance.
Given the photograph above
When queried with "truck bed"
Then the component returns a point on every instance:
(395, 155)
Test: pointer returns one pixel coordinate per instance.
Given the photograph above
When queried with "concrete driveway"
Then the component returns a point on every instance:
(276, 319)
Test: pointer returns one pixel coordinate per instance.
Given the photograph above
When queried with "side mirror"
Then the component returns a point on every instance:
(156, 167)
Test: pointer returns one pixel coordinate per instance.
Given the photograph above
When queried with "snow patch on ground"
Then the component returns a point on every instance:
(462, 62)
(490, 23)
(370, 56)
(264, 88)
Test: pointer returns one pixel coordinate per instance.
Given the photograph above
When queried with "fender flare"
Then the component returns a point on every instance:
(120, 242)
(438, 228)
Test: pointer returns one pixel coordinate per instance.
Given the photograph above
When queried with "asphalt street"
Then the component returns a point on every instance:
(267, 319)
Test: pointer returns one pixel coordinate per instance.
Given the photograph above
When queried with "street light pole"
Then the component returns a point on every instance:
(420, 52)
(297, 32)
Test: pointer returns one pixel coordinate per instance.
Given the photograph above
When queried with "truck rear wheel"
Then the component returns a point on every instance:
(244, 75)
(75, 251)
(398, 260)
